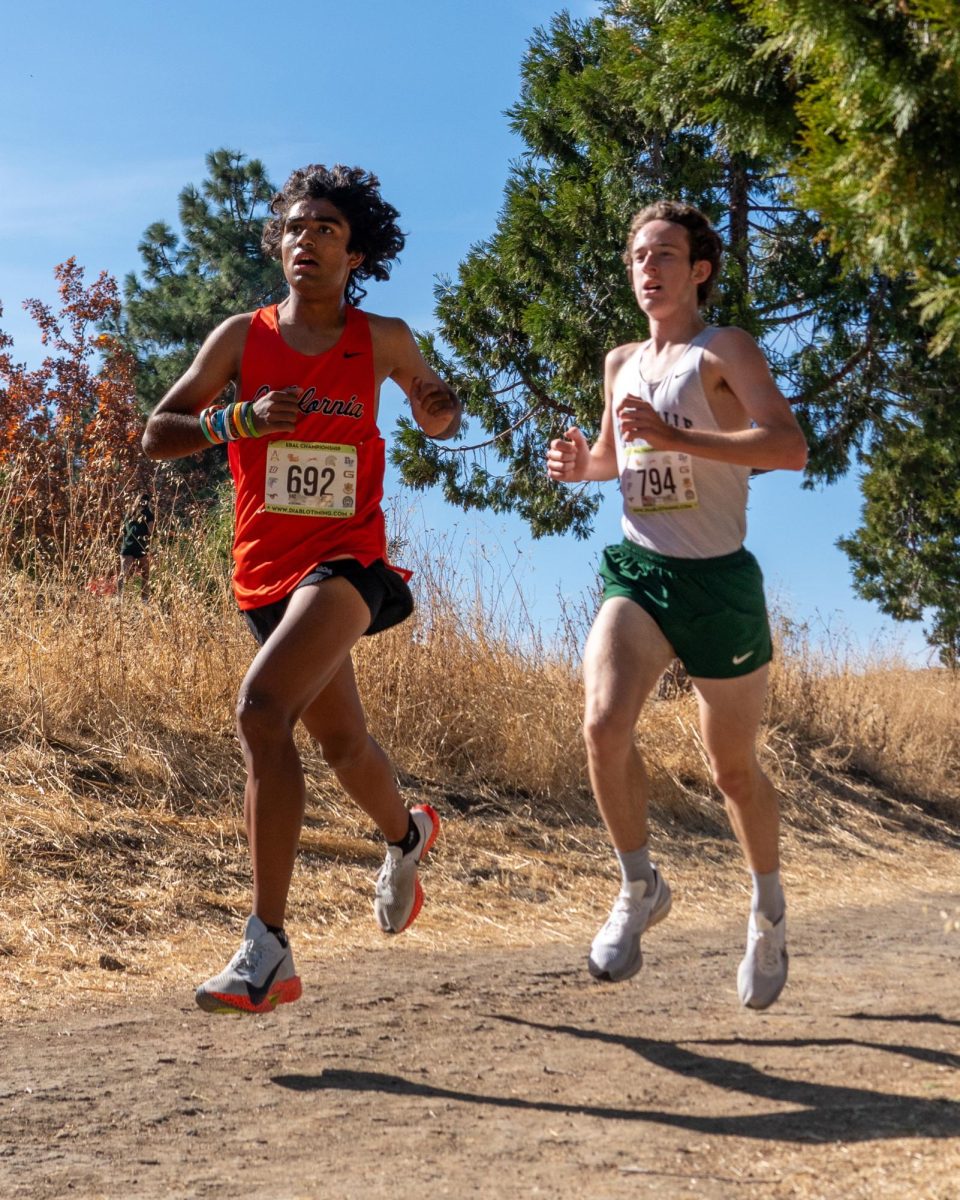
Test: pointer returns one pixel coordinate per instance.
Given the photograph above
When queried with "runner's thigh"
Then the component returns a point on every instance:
(307, 649)
(335, 716)
(730, 713)
(625, 655)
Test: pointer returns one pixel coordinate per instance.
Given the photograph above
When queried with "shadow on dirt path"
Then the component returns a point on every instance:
(868, 1114)
(511, 1073)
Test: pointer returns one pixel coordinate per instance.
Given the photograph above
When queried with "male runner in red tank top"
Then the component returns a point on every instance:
(311, 572)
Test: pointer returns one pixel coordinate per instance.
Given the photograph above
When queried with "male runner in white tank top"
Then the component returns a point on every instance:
(687, 415)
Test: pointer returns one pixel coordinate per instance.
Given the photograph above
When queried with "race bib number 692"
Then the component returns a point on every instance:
(311, 479)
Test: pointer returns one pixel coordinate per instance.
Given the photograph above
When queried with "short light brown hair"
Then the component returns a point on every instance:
(705, 243)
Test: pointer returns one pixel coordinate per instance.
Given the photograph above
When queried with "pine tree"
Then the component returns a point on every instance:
(906, 553)
(193, 280)
(878, 111)
(524, 328)
(686, 99)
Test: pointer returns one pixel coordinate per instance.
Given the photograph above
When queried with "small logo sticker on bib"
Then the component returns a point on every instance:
(658, 480)
(311, 479)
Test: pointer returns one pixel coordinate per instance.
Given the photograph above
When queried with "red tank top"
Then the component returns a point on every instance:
(313, 494)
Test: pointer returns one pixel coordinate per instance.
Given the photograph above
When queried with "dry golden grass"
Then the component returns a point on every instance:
(898, 726)
(122, 856)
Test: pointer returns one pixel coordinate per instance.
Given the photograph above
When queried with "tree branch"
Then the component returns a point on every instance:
(543, 400)
(797, 316)
(855, 359)
(496, 437)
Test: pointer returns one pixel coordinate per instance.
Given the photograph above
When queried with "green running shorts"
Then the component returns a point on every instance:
(712, 611)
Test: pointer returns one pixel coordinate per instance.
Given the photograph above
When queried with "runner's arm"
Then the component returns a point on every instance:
(571, 459)
(173, 430)
(435, 406)
(735, 363)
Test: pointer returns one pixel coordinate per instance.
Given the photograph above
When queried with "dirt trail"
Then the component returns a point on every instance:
(503, 1073)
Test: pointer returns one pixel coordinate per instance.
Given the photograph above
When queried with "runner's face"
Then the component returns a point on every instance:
(313, 249)
(661, 272)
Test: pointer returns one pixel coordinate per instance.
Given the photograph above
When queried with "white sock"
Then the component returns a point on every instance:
(635, 867)
(768, 897)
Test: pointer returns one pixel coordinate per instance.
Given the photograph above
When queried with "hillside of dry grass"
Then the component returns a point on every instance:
(121, 840)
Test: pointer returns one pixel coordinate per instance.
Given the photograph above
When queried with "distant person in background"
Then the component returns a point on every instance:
(311, 571)
(687, 415)
(135, 546)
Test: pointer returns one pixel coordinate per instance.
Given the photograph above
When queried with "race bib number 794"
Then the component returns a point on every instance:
(311, 479)
(658, 480)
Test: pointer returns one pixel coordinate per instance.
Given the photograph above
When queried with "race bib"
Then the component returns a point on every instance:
(311, 479)
(658, 480)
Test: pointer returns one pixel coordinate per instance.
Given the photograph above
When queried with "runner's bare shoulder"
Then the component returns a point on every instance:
(617, 357)
(728, 343)
(388, 330)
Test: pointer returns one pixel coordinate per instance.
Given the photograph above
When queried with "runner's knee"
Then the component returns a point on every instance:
(737, 781)
(262, 720)
(344, 748)
(606, 732)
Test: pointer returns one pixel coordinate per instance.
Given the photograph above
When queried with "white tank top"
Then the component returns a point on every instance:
(675, 503)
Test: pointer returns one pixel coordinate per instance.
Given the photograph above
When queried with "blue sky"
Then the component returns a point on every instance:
(109, 109)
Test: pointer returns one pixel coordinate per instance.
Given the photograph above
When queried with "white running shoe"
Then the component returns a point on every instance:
(260, 976)
(399, 896)
(763, 969)
(615, 954)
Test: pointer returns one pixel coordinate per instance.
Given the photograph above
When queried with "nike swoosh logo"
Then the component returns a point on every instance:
(258, 994)
(352, 353)
(664, 603)
(741, 658)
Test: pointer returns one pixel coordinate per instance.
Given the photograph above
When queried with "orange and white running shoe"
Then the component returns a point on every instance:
(260, 976)
(399, 896)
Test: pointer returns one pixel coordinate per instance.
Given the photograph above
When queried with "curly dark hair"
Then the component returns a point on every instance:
(356, 193)
(705, 243)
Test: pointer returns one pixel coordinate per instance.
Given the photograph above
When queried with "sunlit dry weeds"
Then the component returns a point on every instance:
(121, 839)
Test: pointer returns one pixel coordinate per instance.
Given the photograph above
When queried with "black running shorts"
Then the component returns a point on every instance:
(383, 591)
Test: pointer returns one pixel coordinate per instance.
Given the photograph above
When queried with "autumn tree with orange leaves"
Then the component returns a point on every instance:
(70, 457)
